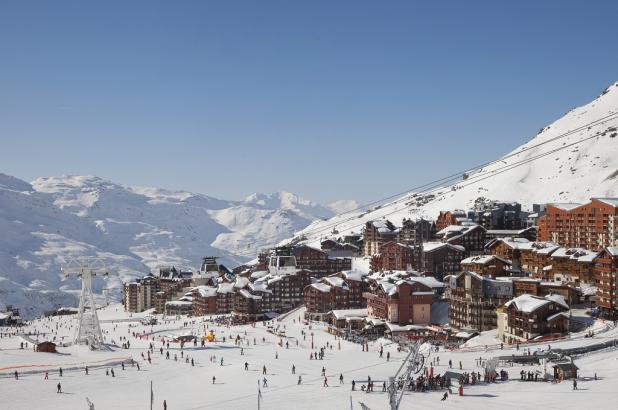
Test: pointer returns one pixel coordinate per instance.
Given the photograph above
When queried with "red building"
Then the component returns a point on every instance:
(592, 226)
(447, 218)
(406, 302)
(606, 269)
(393, 256)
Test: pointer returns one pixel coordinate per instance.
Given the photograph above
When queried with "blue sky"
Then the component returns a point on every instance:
(327, 99)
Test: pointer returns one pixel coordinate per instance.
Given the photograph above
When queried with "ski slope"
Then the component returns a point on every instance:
(190, 387)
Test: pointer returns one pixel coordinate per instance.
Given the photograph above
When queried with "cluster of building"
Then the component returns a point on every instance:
(275, 285)
(491, 267)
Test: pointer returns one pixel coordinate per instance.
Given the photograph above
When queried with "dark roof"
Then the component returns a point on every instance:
(566, 366)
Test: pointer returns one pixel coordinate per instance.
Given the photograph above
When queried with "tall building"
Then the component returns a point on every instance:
(606, 268)
(592, 226)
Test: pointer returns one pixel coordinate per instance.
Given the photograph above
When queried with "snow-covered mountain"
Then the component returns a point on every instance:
(571, 160)
(134, 229)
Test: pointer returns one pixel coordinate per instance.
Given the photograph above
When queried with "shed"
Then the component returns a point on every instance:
(564, 371)
(47, 347)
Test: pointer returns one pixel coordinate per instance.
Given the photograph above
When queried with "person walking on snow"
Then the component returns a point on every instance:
(574, 384)
(325, 381)
(59, 388)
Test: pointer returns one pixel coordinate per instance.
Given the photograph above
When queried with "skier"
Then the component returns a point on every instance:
(445, 396)
(450, 364)
(325, 382)
(113, 374)
(86, 370)
(59, 388)
(264, 382)
(341, 378)
(164, 405)
(574, 384)
(60, 371)
(264, 369)
(246, 366)
(213, 379)
(16, 375)
(353, 385)
(388, 356)
(299, 380)
(293, 369)
(46, 375)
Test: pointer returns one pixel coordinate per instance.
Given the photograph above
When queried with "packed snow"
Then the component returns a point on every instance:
(190, 387)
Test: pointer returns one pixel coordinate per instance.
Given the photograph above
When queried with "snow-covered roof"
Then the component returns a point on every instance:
(241, 282)
(579, 254)
(259, 274)
(335, 281)
(613, 250)
(178, 303)
(557, 298)
(322, 287)
(394, 327)
(484, 259)
(245, 293)
(225, 287)
(349, 313)
(566, 206)
(554, 316)
(609, 201)
(428, 281)
(433, 246)
(354, 275)
(206, 291)
(529, 303)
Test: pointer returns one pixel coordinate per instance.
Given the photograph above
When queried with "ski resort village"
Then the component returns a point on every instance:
(288, 205)
(496, 291)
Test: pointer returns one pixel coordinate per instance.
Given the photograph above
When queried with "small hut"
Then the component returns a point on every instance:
(47, 347)
(565, 371)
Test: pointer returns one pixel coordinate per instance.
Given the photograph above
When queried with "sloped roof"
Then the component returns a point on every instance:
(579, 254)
(609, 201)
(433, 246)
(484, 259)
(322, 287)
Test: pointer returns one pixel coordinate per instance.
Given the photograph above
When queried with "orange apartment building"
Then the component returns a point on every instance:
(606, 267)
(406, 302)
(592, 226)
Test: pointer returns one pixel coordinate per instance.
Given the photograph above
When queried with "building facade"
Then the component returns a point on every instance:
(591, 226)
